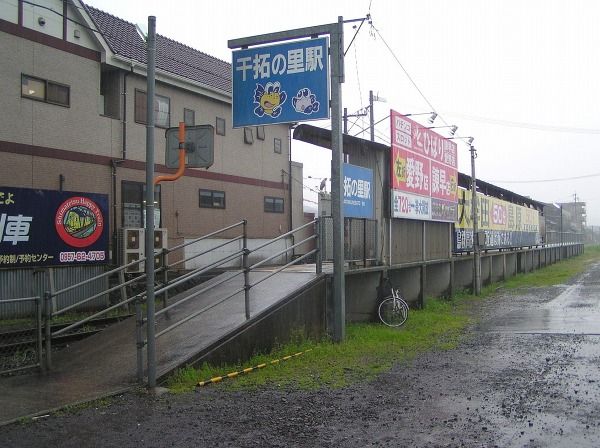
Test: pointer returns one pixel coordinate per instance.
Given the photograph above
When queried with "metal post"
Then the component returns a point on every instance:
(48, 329)
(476, 254)
(561, 229)
(139, 340)
(345, 120)
(371, 116)
(246, 272)
(123, 289)
(38, 313)
(163, 262)
(52, 289)
(151, 52)
(337, 78)
(318, 255)
(365, 242)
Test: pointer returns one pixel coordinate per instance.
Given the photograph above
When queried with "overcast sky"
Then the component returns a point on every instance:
(522, 77)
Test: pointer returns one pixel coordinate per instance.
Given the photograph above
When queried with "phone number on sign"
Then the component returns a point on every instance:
(92, 255)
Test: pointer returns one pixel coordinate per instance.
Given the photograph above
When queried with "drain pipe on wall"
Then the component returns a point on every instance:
(124, 118)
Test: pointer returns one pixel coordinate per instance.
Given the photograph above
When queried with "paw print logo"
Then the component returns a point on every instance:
(305, 102)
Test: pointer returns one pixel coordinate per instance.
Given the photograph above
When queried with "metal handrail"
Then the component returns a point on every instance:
(291, 232)
(197, 313)
(197, 293)
(237, 238)
(93, 316)
(277, 271)
(198, 271)
(216, 232)
(260, 263)
(98, 277)
(245, 271)
(21, 299)
(99, 294)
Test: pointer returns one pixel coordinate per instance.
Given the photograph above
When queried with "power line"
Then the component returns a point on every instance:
(545, 180)
(525, 125)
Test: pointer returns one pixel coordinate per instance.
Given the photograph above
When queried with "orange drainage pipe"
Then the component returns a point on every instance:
(181, 168)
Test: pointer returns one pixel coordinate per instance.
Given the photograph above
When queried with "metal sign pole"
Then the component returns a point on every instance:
(151, 347)
(336, 33)
(337, 182)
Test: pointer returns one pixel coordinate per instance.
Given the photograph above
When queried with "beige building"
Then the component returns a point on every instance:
(73, 86)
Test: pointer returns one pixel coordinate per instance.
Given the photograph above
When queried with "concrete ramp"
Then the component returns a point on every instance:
(105, 363)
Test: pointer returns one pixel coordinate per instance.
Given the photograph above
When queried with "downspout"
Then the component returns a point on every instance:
(124, 118)
(113, 169)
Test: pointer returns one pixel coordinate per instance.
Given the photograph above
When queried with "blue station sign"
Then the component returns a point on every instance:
(358, 192)
(52, 228)
(283, 83)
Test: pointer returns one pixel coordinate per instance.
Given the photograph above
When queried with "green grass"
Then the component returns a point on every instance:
(371, 349)
(557, 273)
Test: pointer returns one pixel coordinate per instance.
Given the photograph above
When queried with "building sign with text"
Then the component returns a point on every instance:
(505, 224)
(52, 228)
(358, 192)
(424, 172)
(282, 83)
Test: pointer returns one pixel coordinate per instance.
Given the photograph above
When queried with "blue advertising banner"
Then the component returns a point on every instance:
(358, 192)
(52, 228)
(283, 83)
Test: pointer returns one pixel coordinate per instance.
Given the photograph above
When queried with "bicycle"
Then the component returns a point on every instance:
(393, 310)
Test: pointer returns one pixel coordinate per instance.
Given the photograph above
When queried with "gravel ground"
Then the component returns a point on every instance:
(500, 387)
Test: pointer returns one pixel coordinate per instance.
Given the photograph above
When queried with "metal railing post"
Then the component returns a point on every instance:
(318, 255)
(38, 312)
(139, 340)
(365, 242)
(163, 262)
(246, 273)
(123, 288)
(48, 329)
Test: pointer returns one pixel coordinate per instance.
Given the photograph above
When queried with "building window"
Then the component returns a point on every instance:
(47, 91)
(260, 132)
(133, 200)
(212, 199)
(248, 136)
(220, 126)
(162, 107)
(189, 117)
(277, 145)
(273, 205)
(110, 96)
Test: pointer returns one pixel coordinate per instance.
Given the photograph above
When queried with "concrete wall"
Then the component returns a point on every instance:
(440, 277)
(299, 316)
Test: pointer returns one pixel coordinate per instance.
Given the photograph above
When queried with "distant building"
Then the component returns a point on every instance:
(73, 84)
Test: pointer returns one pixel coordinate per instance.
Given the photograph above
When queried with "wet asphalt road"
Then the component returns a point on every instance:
(527, 375)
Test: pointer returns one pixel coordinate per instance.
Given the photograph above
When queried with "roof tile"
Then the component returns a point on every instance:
(171, 56)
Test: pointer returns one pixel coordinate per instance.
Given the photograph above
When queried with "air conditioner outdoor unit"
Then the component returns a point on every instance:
(131, 248)
(160, 243)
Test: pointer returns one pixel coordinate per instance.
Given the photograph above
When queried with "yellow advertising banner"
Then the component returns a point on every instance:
(505, 224)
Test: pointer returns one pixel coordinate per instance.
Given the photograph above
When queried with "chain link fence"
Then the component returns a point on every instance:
(20, 337)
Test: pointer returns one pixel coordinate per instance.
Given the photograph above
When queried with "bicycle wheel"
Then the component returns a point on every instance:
(393, 313)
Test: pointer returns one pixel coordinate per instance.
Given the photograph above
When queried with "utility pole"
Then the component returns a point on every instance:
(371, 116)
(476, 255)
(346, 116)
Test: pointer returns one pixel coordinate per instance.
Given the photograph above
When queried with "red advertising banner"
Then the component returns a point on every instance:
(424, 163)
(410, 172)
